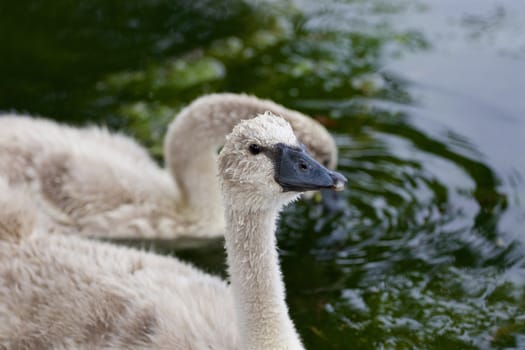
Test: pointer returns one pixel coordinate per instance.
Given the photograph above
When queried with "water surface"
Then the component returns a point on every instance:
(425, 100)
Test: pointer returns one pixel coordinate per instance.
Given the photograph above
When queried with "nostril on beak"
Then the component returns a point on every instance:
(303, 166)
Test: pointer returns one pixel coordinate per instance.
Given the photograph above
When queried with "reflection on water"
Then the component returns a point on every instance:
(418, 258)
(426, 104)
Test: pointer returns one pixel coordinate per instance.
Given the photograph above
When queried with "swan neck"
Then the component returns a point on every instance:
(191, 157)
(256, 281)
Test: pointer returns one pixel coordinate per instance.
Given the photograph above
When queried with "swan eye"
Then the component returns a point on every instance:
(255, 149)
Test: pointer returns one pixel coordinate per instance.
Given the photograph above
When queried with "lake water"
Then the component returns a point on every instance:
(426, 101)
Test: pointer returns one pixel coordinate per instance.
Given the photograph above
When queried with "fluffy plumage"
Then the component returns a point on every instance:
(92, 182)
(66, 292)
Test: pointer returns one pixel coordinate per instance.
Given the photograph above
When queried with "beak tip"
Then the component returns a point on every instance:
(339, 182)
(339, 186)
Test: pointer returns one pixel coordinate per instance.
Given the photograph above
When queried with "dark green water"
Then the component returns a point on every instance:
(426, 102)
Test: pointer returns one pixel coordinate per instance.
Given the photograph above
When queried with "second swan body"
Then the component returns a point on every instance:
(91, 182)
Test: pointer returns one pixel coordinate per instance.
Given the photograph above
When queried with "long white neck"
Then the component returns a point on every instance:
(256, 281)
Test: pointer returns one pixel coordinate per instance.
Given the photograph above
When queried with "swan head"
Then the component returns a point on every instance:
(262, 162)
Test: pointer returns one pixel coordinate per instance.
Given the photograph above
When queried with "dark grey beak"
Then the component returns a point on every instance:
(296, 170)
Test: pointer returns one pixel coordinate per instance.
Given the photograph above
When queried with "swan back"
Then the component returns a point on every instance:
(66, 292)
(17, 214)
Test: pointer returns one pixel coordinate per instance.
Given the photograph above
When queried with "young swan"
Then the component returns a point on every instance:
(59, 292)
(93, 183)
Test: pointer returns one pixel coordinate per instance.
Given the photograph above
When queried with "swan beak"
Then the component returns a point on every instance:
(296, 170)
